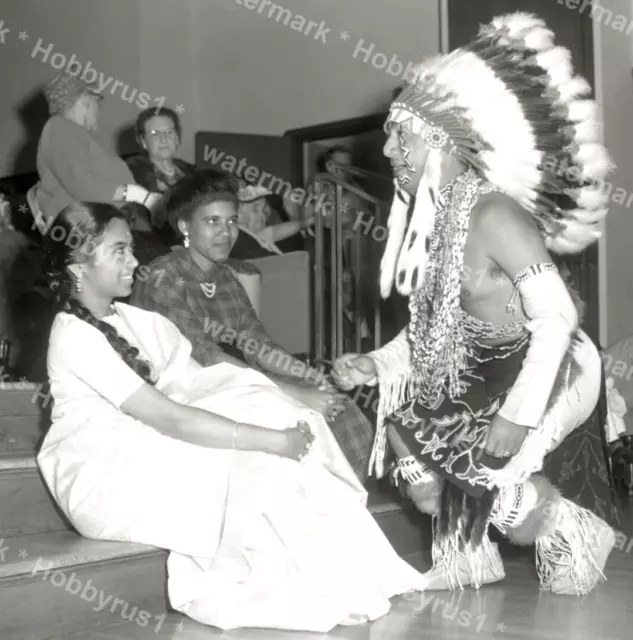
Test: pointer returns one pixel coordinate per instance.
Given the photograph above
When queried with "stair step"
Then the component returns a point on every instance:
(75, 583)
(26, 506)
(22, 420)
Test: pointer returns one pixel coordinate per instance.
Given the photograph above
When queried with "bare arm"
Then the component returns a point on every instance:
(200, 427)
(513, 241)
(509, 235)
(285, 230)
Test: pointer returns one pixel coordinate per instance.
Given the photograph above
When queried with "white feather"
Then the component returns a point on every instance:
(574, 238)
(587, 216)
(413, 255)
(514, 158)
(592, 197)
(587, 131)
(581, 110)
(518, 23)
(396, 226)
(539, 39)
(594, 161)
(557, 63)
(574, 88)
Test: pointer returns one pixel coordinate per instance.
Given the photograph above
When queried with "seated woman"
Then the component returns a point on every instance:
(260, 236)
(159, 133)
(265, 521)
(203, 297)
(71, 164)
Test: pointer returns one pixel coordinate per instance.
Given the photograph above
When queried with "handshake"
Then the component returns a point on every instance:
(353, 370)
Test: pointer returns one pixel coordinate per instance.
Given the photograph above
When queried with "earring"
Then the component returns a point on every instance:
(186, 241)
(78, 284)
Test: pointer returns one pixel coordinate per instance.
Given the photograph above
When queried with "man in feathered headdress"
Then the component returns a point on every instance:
(492, 372)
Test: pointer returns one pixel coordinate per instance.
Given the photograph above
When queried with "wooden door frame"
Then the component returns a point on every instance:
(337, 129)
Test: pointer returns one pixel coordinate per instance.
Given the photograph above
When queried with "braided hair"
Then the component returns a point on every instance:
(76, 229)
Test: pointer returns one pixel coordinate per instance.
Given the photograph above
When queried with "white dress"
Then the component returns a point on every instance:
(256, 540)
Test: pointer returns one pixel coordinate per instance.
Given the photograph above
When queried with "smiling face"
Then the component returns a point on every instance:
(408, 170)
(108, 271)
(212, 232)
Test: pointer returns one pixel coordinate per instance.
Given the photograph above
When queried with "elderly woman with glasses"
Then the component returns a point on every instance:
(159, 133)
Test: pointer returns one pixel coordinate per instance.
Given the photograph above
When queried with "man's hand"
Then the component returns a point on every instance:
(504, 438)
(352, 370)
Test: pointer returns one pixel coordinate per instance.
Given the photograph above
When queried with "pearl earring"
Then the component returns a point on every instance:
(186, 241)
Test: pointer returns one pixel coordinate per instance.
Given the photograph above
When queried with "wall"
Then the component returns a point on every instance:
(231, 68)
(614, 87)
(104, 33)
(258, 76)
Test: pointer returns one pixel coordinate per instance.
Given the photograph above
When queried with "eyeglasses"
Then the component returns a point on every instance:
(168, 134)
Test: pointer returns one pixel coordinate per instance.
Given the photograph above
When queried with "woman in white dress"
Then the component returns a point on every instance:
(265, 519)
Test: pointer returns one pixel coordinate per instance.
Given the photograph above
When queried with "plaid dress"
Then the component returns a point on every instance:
(226, 321)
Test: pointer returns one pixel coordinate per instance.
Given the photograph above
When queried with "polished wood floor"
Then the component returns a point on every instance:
(513, 609)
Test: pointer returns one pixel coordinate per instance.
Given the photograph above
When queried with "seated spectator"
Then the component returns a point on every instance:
(255, 217)
(71, 164)
(159, 133)
(263, 517)
(200, 294)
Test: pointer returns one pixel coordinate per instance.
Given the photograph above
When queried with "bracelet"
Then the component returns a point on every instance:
(124, 193)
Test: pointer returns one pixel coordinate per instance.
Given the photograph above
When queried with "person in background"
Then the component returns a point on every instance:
(159, 133)
(337, 162)
(71, 163)
(194, 288)
(255, 220)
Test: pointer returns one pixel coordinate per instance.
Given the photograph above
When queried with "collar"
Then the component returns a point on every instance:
(191, 267)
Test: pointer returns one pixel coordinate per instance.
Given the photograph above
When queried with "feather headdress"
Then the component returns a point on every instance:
(508, 105)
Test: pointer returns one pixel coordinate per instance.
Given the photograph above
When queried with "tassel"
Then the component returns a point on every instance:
(393, 394)
(450, 551)
(570, 559)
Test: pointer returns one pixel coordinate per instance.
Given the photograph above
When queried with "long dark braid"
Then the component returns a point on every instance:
(87, 221)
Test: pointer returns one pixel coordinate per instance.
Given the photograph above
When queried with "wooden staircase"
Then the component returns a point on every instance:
(54, 582)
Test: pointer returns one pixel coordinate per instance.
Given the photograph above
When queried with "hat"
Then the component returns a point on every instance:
(253, 192)
(510, 106)
(64, 90)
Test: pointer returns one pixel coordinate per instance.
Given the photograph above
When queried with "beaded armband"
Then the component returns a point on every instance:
(528, 272)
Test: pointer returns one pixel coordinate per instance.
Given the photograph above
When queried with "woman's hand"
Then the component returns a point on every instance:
(298, 441)
(328, 403)
(504, 438)
(352, 370)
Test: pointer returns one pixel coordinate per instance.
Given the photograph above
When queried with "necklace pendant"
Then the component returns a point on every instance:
(208, 288)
